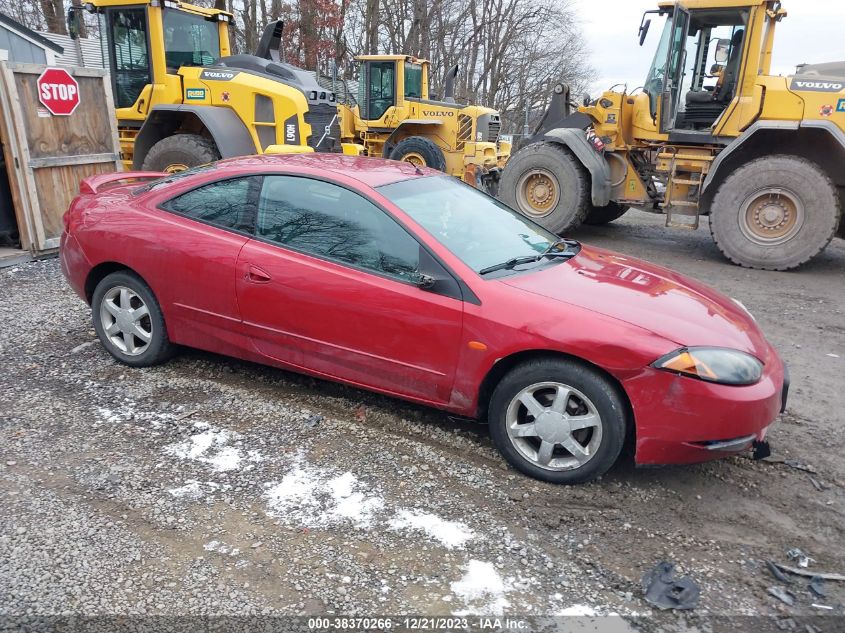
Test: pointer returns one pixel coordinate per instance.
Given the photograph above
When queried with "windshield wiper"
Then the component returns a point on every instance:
(530, 259)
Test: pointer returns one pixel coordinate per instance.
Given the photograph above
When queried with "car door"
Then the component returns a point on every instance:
(195, 250)
(329, 284)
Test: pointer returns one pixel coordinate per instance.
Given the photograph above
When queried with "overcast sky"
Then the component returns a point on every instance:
(811, 33)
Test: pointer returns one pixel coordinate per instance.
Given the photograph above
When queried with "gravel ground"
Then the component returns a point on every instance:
(213, 486)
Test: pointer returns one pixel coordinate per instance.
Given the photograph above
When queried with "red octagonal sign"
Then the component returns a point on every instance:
(58, 91)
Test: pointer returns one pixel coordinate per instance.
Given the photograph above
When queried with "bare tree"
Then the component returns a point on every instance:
(510, 52)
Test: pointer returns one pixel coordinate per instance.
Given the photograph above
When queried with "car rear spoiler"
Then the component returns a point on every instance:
(95, 184)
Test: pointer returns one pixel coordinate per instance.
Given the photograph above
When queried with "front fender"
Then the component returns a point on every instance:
(596, 164)
(228, 131)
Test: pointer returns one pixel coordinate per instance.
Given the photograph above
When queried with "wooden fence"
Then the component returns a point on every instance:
(46, 155)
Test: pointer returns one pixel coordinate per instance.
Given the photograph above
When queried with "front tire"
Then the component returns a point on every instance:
(557, 420)
(180, 152)
(547, 183)
(775, 213)
(598, 216)
(129, 322)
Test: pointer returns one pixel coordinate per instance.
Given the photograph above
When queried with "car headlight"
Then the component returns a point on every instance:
(713, 364)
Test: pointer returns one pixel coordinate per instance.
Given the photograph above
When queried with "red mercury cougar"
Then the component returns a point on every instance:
(407, 282)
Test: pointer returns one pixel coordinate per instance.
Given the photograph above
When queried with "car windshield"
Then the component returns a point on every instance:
(479, 230)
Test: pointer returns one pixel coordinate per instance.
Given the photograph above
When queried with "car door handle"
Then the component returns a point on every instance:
(257, 276)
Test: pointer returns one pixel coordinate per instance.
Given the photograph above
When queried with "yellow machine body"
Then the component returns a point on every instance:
(173, 75)
(709, 106)
(394, 110)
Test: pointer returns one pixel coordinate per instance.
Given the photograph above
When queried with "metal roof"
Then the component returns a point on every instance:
(29, 34)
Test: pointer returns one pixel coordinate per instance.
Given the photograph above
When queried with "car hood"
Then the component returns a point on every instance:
(647, 296)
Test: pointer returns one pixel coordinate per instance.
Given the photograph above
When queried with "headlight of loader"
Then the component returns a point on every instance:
(713, 364)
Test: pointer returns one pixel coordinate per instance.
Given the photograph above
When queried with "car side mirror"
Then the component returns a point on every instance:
(425, 282)
(432, 277)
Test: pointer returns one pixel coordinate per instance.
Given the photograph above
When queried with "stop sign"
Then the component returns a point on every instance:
(58, 91)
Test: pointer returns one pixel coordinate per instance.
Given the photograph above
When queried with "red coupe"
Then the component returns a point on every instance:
(408, 282)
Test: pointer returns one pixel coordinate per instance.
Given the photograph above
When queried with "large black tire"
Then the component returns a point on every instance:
(179, 152)
(158, 348)
(547, 183)
(784, 187)
(605, 215)
(603, 399)
(416, 149)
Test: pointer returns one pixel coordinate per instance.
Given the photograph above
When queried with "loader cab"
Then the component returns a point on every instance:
(147, 43)
(387, 81)
(697, 67)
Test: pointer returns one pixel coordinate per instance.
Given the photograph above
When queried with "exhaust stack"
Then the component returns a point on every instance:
(271, 39)
(449, 84)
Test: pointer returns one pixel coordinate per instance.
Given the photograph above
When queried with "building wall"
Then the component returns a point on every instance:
(92, 54)
(21, 50)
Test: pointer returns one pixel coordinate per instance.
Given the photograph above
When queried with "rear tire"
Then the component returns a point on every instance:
(540, 443)
(128, 320)
(419, 151)
(180, 152)
(775, 213)
(547, 183)
(605, 215)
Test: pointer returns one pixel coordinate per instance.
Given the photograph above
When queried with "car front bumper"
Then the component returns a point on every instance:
(681, 420)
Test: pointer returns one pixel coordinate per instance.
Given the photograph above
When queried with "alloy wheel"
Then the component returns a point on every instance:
(126, 320)
(554, 426)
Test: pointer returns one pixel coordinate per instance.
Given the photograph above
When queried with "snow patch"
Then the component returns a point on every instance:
(194, 489)
(452, 534)
(221, 548)
(211, 447)
(312, 497)
(578, 610)
(482, 589)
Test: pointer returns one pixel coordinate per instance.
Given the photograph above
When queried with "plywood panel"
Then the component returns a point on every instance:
(57, 187)
(86, 131)
(53, 153)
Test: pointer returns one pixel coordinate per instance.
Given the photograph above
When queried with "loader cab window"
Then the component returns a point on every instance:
(129, 55)
(657, 73)
(377, 90)
(189, 40)
(708, 76)
(413, 80)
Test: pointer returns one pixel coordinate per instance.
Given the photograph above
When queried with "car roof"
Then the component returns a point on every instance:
(372, 172)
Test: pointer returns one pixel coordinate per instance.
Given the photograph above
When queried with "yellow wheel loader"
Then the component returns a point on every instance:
(396, 117)
(711, 132)
(182, 100)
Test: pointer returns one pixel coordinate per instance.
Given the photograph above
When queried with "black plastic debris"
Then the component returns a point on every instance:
(777, 573)
(664, 591)
(787, 597)
(762, 450)
(817, 587)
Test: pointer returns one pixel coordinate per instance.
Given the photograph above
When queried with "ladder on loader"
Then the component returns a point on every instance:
(685, 175)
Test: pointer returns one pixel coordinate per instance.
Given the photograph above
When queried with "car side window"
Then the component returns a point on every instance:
(329, 221)
(229, 203)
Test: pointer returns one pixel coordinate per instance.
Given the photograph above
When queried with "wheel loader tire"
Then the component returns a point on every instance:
(180, 152)
(547, 183)
(605, 215)
(419, 151)
(775, 213)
